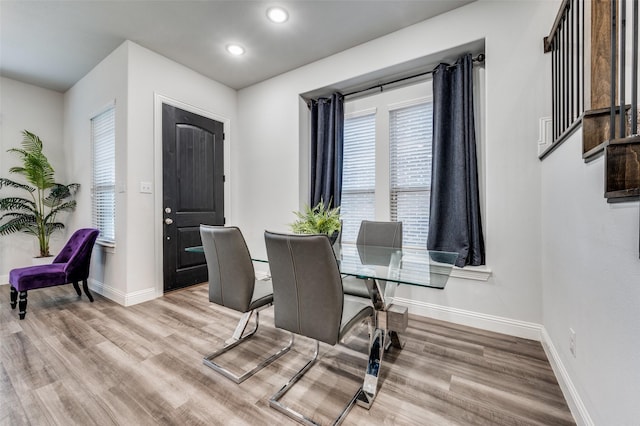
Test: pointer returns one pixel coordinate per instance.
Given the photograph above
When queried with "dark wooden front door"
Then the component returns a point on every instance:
(193, 191)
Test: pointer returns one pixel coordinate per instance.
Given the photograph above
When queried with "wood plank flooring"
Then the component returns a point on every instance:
(71, 362)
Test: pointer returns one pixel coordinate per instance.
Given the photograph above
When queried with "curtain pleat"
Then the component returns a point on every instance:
(455, 224)
(327, 139)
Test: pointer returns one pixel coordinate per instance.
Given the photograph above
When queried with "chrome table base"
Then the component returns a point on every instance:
(381, 339)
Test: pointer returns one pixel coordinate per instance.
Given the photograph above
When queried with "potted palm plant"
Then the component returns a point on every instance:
(36, 213)
(319, 219)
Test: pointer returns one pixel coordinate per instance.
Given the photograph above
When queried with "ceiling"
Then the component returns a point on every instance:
(53, 43)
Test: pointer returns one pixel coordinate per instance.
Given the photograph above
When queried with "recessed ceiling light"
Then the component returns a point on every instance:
(277, 15)
(235, 49)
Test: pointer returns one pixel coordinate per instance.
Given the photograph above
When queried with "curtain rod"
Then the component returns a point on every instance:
(478, 59)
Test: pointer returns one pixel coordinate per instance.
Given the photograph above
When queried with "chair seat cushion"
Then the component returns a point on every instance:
(262, 294)
(32, 277)
(354, 311)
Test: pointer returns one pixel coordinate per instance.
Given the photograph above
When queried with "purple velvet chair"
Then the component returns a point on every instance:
(70, 266)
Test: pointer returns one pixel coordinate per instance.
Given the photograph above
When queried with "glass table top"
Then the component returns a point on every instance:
(412, 266)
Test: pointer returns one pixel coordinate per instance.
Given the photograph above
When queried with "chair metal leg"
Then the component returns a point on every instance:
(274, 403)
(299, 417)
(85, 286)
(234, 341)
(22, 304)
(242, 325)
(14, 297)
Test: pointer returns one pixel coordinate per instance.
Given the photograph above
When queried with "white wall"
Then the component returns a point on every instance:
(152, 79)
(105, 84)
(27, 107)
(137, 78)
(517, 76)
(591, 283)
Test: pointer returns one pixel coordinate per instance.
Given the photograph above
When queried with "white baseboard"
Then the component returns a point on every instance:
(577, 407)
(140, 296)
(526, 330)
(125, 299)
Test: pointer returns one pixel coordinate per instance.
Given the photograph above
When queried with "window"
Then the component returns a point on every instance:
(387, 162)
(410, 170)
(104, 174)
(358, 175)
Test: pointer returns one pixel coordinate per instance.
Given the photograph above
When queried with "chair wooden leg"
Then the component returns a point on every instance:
(22, 304)
(85, 286)
(14, 297)
(77, 287)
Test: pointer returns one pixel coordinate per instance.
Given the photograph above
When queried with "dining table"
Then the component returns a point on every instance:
(383, 269)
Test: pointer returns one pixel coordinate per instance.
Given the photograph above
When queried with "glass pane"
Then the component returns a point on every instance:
(355, 208)
(412, 209)
(359, 156)
(358, 176)
(410, 131)
(104, 172)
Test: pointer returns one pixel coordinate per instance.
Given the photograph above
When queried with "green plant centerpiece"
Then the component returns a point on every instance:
(319, 219)
(37, 211)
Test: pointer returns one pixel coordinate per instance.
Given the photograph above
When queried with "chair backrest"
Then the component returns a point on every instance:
(77, 254)
(231, 274)
(372, 233)
(307, 287)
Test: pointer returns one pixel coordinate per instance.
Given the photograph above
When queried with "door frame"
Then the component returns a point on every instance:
(158, 100)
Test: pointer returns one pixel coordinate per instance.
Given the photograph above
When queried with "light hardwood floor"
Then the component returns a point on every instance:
(71, 362)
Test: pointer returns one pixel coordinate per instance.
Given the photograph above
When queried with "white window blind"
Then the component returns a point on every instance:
(104, 174)
(410, 130)
(358, 175)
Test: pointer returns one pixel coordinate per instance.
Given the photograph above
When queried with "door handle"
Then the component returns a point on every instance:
(168, 221)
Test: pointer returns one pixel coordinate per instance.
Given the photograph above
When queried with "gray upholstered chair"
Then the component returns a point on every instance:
(233, 284)
(371, 233)
(309, 300)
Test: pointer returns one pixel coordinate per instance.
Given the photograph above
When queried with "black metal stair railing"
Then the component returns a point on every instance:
(628, 124)
(566, 45)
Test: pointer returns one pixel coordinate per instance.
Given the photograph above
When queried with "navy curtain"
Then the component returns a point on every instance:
(454, 223)
(327, 140)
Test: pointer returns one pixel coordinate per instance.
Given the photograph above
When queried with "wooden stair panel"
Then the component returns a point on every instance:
(596, 131)
(622, 169)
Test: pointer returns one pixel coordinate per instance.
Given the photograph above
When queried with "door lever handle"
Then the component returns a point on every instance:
(168, 221)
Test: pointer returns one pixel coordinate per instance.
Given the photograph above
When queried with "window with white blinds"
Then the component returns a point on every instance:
(104, 174)
(410, 170)
(359, 174)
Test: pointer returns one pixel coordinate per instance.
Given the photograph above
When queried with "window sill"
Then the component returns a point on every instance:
(478, 273)
(107, 246)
